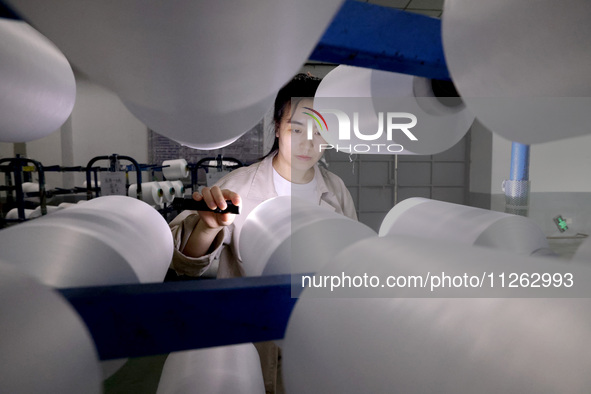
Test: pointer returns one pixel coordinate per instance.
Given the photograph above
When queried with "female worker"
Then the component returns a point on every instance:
(289, 169)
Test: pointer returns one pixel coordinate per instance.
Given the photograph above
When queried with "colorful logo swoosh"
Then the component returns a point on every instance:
(316, 119)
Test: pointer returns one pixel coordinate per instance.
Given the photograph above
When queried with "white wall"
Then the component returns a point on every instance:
(99, 125)
(48, 152)
(6, 150)
(559, 166)
(103, 126)
(559, 173)
(562, 166)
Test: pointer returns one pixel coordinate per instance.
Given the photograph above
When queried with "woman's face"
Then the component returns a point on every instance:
(295, 148)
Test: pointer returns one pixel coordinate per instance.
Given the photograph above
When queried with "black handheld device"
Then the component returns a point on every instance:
(182, 204)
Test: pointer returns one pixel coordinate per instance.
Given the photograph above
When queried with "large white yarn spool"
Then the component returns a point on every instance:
(428, 345)
(227, 369)
(208, 58)
(152, 192)
(38, 87)
(49, 209)
(175, 169)
(200, 129)
(107, 240)
(33, 213)
(370, 92)
(46, 347)
(521, 67)
(284, 235)
(104, 220)
(13, 213)
(424, 218)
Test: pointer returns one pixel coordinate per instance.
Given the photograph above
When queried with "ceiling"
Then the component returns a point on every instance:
(425, 7)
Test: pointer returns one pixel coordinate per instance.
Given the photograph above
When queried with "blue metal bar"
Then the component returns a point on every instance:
(7, 12)
(371, 36)
(519, 162)
(150, 319)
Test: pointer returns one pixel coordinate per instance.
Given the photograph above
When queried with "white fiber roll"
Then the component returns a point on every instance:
(107, 240)
(30, 187)
(38, 86)
(46, 347)
(200, 129)
(178, 169)
(169, 192)
(284, 235)
(522, 70)
(48, 209)
(210, 56)
(368, 92)
(92, 184)
(421, 217)
(227, 369)
(179, 188)
(206, 65)
(152, 193)
(13, 213)
(435, 345)
(33, 213)
(138, 233)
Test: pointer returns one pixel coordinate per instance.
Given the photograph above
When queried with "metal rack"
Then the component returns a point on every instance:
(17, 166)
(114, 167)
(17, 170)
(205, 165)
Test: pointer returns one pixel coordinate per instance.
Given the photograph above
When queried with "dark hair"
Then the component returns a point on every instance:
(301, 86)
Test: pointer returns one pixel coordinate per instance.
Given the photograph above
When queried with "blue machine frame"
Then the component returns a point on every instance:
(149, 319)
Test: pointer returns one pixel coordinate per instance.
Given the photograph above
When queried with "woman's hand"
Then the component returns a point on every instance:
(216, 198)
(211, 223)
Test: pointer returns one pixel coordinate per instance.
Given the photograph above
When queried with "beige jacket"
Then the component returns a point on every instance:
(254, 184)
